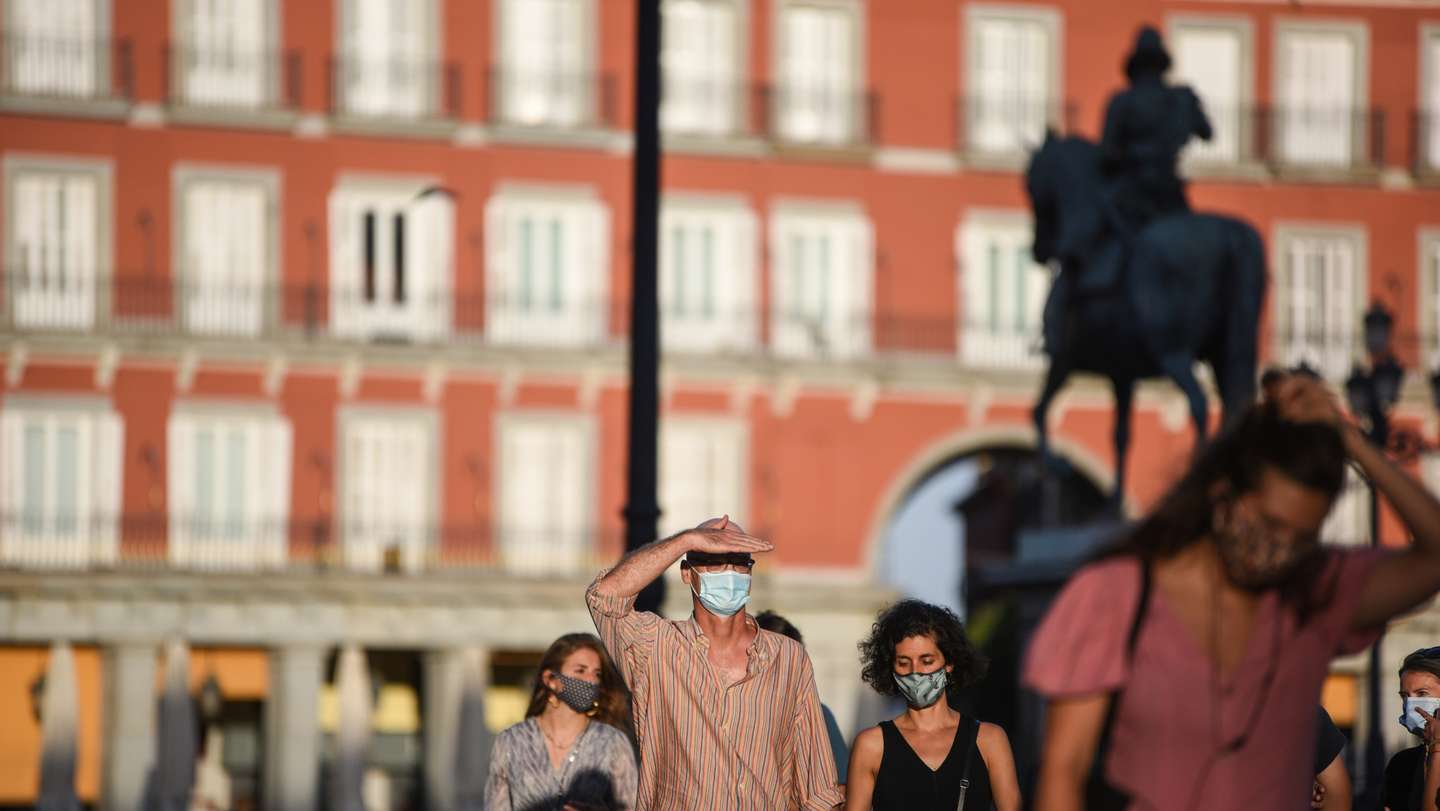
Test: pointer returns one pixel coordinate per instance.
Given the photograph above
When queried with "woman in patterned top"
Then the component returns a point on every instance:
(559, 758)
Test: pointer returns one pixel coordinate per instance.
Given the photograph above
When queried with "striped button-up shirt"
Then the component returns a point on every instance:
(756, 745)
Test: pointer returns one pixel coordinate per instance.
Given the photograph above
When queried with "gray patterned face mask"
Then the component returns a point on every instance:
(922, 689)
(579, 695)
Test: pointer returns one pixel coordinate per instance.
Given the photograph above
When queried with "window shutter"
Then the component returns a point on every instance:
(182, 478)
(12, 482)
(592, 266)
(430, 262)
(740, 305)
(81, 257)
(107, 478)
(273, 501)
(859, 280)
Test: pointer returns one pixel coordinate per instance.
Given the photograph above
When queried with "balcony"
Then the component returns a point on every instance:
(153, 541)
(531, 102)
(233, 87)
(698, 111)
(1324, 142)
(820, 119)
(91, 77)
(394, 96)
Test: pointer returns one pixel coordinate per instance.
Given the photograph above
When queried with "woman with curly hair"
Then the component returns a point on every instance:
(559, 757)
(930, 757)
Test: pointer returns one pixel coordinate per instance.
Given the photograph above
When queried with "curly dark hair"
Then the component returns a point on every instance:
(909, 618)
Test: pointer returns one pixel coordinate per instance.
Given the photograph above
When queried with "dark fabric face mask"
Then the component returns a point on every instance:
(1253, 558)
(579, 695)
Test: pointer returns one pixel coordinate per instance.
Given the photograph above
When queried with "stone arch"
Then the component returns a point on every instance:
(964, 443)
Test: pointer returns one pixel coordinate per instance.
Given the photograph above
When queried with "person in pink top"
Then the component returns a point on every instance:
(1182, 668)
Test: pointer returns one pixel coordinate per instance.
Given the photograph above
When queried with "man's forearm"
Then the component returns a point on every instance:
(640, 568)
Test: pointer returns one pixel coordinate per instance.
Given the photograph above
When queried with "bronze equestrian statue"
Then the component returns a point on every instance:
(1146, 288)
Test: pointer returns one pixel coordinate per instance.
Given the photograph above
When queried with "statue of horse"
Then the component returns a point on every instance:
(1187, 287)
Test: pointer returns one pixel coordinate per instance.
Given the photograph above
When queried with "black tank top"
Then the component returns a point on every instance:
(905, 783)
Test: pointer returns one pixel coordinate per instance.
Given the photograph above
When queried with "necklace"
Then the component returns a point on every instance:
(558, 746)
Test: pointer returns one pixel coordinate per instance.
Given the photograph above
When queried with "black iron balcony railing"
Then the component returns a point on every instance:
(1323, 138)
(66, 68)
(155, 541)
(266, 79)
(695, 106)
(1006, 125)
(380, 87)
(822, 117)
(551, 99)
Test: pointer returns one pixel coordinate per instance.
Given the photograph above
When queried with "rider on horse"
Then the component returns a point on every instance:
(1146, 126)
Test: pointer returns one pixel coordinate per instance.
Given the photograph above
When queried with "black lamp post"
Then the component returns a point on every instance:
(1371, 393)
(642, 507)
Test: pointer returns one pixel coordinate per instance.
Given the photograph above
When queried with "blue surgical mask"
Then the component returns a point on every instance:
(1414, 721)
(723, 593)
(922, 689)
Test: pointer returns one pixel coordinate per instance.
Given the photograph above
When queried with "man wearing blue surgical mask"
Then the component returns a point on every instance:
(1412, 778)
(726, 713)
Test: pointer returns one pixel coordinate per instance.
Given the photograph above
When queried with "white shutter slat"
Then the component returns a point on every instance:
(740, 303)
(181, 483)
(430, 265)
(108, 482)
(274, 513)
(12, 483)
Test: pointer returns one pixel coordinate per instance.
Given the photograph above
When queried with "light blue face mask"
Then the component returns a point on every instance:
(1414, 721)
(723, 593)
(922, 689)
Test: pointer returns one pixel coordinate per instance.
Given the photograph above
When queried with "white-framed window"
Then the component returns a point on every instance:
(547, 267)
(389, 463)
(1430, 96)
(819, 100)
(60, 483)
(57, 48)
(1320, 296)
(546, 51)
(821, 280)
(58, 242)
(1349, 521)
(1320, 77)
(547, 478)
(1002, 291)
(228, 250)
(1012, 73)
(708, 274)
(1214, 57)
(228, 472)
(703, 467)
(388, 65)
(391, 260)
(701, 57)
(227, 54)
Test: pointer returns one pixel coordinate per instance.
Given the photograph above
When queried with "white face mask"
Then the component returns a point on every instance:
(1414, 721)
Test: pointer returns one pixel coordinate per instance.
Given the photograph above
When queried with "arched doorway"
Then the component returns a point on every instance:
(969, 510)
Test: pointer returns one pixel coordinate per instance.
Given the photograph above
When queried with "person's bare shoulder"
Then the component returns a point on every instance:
(869, 745)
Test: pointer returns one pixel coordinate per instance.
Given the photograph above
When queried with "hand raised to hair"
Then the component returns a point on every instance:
(1302, 399)
(721, 536)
